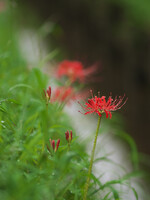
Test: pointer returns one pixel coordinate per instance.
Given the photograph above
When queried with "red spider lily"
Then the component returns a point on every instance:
(52, 142)
(74, 70)
(47, 93)
(63, 94)
(99, 105)
(68, 136)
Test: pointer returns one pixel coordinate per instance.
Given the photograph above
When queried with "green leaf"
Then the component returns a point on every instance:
(115, 193)
(48, 57)
(135, 193)
(132, 144)
(20, 85)
(2, 109)
(106, 196)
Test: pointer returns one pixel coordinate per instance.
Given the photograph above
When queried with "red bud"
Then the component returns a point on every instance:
(67, 135)
(57, 144)
(53, 144)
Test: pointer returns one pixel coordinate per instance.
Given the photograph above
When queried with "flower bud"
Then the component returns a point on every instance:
(53, 144)
(67, 135)
(47, 93)
(57, 144)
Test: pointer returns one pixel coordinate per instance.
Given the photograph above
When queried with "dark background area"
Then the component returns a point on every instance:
(115, 34)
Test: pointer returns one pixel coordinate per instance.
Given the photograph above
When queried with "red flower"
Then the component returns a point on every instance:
(74, 70)
(68, 136)
(99, 105)
(62, 94)
(52, 142)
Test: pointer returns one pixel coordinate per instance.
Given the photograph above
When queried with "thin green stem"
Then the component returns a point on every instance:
(68, 146)
(91, 161)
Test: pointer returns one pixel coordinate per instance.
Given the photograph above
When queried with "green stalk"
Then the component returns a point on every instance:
(68, 146)
(91, 161)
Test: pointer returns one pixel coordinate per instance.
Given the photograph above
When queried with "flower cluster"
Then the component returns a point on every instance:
(68, 136)
(55, 147)
(52, 143)
(60, 94)
(63, 94)
(100, 105)
(74, 70)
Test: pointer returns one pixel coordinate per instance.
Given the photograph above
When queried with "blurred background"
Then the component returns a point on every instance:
(114, 34)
